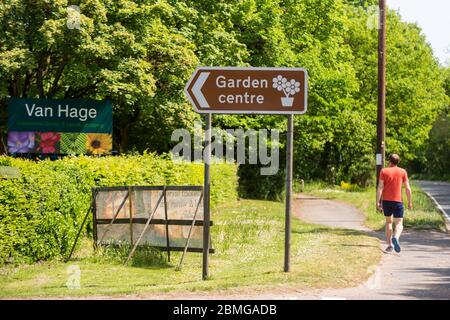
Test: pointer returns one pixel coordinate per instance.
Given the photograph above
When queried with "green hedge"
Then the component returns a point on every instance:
(41, 211)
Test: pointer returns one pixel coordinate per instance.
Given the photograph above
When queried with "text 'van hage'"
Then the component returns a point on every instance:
(82, 114)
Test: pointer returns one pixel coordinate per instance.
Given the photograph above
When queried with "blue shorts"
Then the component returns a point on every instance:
(393, 208)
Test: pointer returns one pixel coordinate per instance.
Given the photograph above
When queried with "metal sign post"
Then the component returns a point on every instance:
(206, 209)
(289, 162)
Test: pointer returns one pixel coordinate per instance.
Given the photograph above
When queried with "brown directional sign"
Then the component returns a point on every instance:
(248, 90)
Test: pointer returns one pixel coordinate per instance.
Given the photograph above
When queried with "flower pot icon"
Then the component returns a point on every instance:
(287, 102)
(289, 89)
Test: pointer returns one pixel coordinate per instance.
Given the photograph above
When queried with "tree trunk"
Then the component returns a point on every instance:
(27, 84)
(125, 130)
(2, 147)
(40, 76)
(58, 75)
(124, 138)
(13, 87)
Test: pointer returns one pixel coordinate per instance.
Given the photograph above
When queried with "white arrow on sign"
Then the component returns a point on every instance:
(197, 89)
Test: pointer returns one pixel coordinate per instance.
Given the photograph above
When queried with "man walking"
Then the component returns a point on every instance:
(390, 200)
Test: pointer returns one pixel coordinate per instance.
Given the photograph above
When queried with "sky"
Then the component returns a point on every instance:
(433, 16)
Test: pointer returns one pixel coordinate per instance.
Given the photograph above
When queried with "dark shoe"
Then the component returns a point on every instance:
(389, 249)
(396, 245)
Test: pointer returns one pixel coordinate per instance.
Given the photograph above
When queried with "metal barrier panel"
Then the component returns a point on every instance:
(119, 221)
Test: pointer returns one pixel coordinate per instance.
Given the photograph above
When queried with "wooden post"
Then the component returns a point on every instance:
(190, 232)
(145, 227)
(130, 208)
(381, 112)
(167, 226)
(91, 206)
(94, 218)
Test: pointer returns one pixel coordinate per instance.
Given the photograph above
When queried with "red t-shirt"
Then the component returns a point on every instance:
(393, 178)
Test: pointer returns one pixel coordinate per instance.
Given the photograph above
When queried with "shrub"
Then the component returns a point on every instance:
(254, 185)
(349, 186)
(41, 211)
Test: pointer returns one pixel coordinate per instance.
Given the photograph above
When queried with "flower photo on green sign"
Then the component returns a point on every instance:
(48, 142)
(99, 143)
(21, 142)
(73, 143)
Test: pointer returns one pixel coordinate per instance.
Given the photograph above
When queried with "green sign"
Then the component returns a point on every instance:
(43, 126)
(47, 115)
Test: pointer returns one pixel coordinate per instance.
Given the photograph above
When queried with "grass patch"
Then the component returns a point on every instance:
(249, 239)
(424, 215)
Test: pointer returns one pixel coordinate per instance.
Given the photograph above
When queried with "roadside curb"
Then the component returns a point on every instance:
(441, 210)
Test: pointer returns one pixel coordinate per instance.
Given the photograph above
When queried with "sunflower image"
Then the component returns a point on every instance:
(98, 143)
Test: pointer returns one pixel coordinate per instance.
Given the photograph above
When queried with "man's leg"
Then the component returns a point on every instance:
(398, 227)
(389, 230)
(398, 231)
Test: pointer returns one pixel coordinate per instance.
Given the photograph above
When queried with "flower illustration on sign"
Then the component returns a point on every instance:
(20, 142)
(48, 142)
(289, 88)
(99, 143)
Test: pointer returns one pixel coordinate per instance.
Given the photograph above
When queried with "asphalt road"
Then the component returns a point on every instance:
(440, 191)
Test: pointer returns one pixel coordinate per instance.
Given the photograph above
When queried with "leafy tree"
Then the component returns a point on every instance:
(140, 53)
(438, 151)
(414, 83)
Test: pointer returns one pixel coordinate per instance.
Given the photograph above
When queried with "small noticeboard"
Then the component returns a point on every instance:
(174, 215)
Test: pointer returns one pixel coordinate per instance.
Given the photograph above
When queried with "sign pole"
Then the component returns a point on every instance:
(207, 180)
(289, 162)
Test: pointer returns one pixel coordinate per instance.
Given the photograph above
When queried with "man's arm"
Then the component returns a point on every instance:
(379, 193)
(408, 194)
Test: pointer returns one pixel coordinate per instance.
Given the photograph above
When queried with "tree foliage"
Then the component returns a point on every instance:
(140, 53)
(438, 147)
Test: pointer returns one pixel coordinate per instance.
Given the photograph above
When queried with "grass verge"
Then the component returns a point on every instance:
(424, 215)
(249, 239)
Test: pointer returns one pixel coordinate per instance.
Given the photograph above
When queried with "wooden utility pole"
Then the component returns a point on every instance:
(381, 115)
